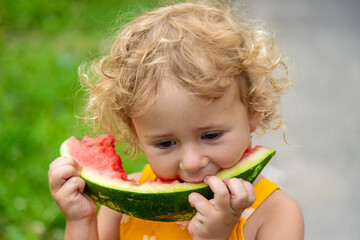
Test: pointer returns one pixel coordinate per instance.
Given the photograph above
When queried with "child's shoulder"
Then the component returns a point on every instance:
(279, 216)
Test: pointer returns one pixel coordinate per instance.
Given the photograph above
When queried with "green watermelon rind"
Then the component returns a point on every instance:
(167, 202)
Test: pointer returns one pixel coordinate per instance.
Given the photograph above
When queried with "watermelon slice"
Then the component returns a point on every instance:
(107, 182)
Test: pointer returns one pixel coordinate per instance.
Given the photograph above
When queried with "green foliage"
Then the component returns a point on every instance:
(42, 43)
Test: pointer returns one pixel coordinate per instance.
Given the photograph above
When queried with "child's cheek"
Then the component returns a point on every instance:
(230, 156)
(164, 171)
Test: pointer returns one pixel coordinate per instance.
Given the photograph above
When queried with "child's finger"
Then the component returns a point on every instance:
(242, 194)
(201, 204)
(221, 192)
(59, 175)
(64, 161)
(73, 186)
(251, 192)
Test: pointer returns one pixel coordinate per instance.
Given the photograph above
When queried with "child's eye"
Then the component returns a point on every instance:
(211, 136)
(165, 144)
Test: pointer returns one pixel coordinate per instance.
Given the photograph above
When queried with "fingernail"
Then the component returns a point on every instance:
(206, 179)
(191, 200)
(78, 165)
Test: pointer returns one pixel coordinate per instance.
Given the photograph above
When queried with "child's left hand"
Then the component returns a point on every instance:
(216, 218)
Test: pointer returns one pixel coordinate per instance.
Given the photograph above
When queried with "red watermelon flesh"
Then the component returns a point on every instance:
(98, 153)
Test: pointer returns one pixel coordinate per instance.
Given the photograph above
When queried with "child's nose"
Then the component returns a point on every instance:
(192, 158)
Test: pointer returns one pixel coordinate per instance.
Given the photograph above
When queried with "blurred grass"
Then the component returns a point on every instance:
(41, 45)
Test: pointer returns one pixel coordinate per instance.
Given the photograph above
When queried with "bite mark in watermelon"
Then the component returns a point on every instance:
(107, 182)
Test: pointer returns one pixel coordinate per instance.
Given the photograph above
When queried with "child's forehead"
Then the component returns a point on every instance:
(170, 86)
(209, 88)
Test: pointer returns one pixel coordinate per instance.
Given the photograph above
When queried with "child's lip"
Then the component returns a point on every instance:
(171, 180)
(199, 176)
(194, 180)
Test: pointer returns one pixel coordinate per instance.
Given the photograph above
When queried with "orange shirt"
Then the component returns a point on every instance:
(139, 229)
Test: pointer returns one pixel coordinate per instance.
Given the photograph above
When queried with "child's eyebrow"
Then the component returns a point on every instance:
(210, 126)
(204, 128)
(156, 135)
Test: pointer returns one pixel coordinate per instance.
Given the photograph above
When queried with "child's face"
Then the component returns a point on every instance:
(184, 137)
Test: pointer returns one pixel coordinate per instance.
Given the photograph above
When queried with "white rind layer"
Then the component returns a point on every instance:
(245, 163)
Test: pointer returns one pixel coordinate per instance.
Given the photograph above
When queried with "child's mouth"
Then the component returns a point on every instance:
(171, 180)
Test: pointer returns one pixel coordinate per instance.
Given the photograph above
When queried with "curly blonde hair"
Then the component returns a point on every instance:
(205, 48)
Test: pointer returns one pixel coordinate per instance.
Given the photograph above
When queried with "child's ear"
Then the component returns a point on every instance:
(254, 120)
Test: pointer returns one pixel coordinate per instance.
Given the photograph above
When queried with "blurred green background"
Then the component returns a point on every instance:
(42, 43)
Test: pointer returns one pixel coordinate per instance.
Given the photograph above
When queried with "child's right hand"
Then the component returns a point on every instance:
(67, 189)
(216, 218)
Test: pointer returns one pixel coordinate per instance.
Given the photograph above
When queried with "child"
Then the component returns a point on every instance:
(188, 82)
